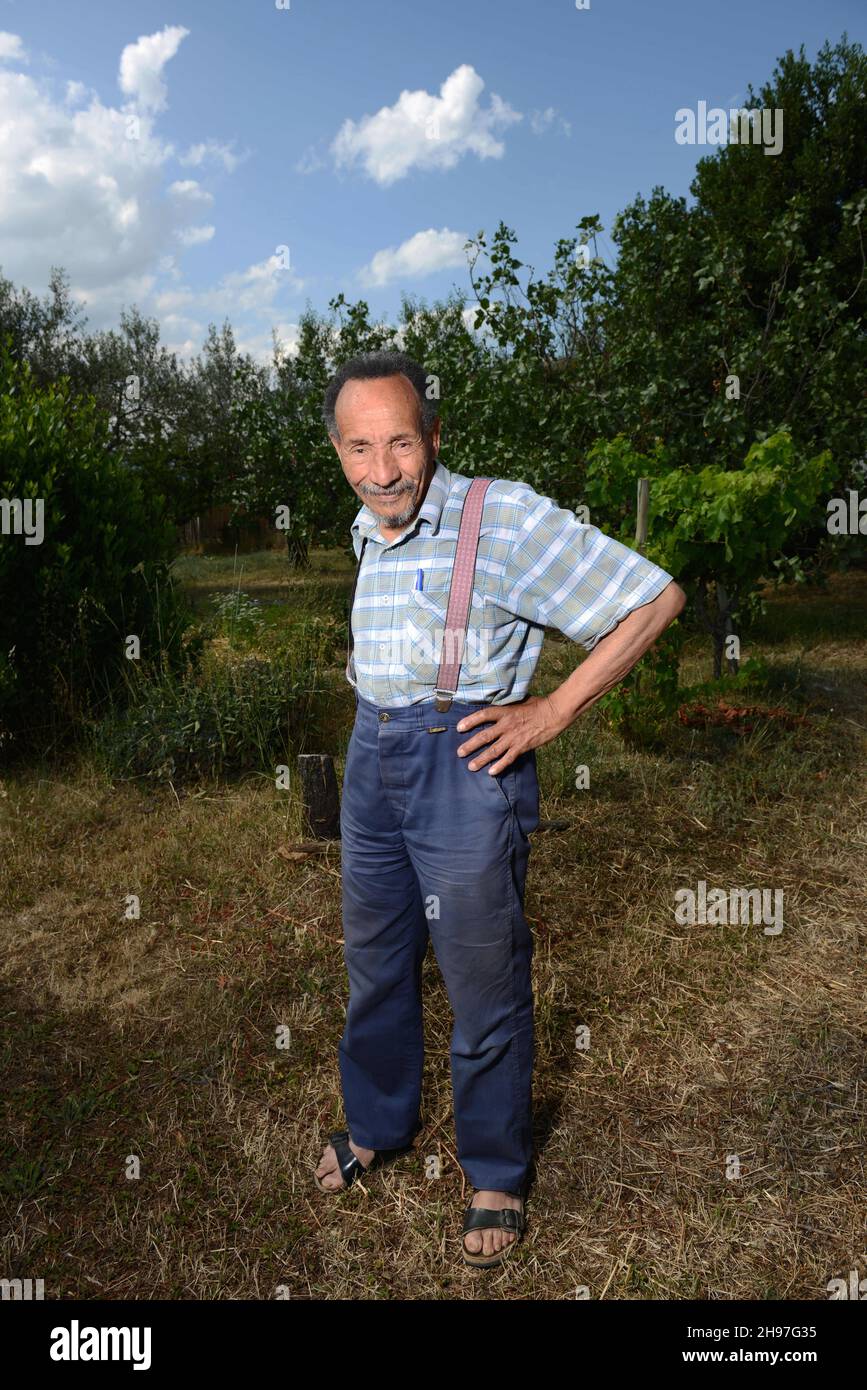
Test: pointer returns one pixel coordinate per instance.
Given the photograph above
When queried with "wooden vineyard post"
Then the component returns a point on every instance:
(643, 503)
(320, 800)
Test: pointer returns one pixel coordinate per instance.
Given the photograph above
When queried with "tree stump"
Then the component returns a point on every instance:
(320, 799)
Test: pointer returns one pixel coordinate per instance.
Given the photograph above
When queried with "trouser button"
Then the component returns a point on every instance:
(384, 718)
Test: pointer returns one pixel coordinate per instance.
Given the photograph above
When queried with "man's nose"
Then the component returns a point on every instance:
(381, 475)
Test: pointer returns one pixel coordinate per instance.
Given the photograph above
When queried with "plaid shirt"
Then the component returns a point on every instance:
(537, 566)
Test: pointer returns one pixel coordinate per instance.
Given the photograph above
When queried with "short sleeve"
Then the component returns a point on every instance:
(564, 574)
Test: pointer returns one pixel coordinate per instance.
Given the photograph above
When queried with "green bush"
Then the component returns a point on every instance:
(247, 713)
(720, 532)
(98, 575)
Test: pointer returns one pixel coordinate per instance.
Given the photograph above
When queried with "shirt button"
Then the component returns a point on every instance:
(384, 718)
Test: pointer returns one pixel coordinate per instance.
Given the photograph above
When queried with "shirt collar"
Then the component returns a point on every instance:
(366, 522)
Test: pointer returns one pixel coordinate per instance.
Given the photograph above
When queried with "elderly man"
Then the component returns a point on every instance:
(439, 798)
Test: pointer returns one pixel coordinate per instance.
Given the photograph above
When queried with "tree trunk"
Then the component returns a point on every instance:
(717, 623)
(726, 627)
(297, 549)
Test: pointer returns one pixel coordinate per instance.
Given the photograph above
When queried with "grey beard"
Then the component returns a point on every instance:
(401, 518)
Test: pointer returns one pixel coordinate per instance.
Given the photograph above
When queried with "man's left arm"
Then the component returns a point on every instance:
(564, 574)
(615, 655)
(539, 719)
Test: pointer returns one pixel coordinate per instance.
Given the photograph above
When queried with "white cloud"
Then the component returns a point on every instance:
(250, 299)
(168, 265)
(185, 348)
(261, 345)
(77, 191)
(11, 48)
(131, 289)
(540, 121)
(169, 300)
(192, 190)
(421, 131)
(182, 334)
(194, 236)
(74, 191)
(255, 288)
(421, 254)
(212, 151)
(141, 67)
(310, 162)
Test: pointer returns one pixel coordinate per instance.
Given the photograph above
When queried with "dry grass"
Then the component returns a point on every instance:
(156, 1037)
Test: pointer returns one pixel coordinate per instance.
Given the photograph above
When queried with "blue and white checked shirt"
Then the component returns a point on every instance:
(537, 566)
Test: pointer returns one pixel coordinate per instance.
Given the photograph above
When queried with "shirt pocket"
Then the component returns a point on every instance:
(424, 628)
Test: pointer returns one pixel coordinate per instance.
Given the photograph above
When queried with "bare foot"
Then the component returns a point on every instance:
(329, 1173)
(491, 1242)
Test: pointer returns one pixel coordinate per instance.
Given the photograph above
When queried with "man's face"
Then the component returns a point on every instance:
(385, 456)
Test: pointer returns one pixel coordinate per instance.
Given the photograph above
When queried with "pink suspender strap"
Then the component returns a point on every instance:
(460, 594)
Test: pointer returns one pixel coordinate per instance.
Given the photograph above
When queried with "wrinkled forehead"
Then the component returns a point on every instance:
(381, 404)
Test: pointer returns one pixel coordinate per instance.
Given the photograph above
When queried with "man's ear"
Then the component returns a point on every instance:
(336, 442)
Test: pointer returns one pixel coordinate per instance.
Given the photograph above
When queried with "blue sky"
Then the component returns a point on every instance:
(163, 151)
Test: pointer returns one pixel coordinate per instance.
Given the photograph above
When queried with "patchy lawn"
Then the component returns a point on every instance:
(709, 1046)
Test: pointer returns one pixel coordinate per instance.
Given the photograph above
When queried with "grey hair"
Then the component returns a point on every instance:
(369, 366)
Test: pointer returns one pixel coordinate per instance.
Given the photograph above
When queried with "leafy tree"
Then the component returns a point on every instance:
(44, 332)
(742, 193)
(718, 531)
(542, 396)
(270, 473)
(95, 574)
(146, 395)
(285, 454)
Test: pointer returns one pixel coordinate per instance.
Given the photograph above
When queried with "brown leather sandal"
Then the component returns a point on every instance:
(488, 1218)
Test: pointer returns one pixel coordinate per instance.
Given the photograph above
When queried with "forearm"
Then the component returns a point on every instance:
(614, 655)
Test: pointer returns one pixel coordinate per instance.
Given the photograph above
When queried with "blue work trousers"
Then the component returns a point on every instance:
(431, 849)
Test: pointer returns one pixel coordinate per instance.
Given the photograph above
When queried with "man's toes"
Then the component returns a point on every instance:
(328, 1172)
(473, 1242)
(495, 1241)
(327, 1163)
